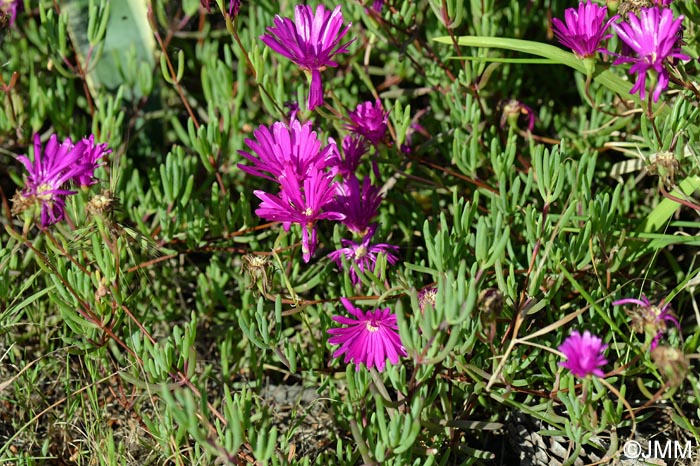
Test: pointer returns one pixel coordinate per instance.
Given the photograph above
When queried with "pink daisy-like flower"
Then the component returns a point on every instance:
(584, 29)
(50, 172)
(652, 37)
(584, 354)
(363, 256)
(359, 204)
(370, 339)
(346, 162)
(649, 318)
(280, 146)
(300, 204)
(310, 41)
(93, 153)
(369, 120)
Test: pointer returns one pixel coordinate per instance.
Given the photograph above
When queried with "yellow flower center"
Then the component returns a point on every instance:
(41, 189)
(372, 326)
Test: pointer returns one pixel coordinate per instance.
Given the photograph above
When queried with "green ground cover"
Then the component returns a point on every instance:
(169, 301)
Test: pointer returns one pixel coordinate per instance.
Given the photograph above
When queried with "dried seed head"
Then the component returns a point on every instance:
(21, 203)
(426, 297)
(101, 204)
(633, 6)
(256, 268)
(490, 302)
(651, 320)
(672, 363)
(665, 165)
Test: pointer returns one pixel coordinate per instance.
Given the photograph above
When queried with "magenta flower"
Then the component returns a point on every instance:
(280, 146)
(584, 354)
(369, 339)
(584, 29)
(353, 150)
(93, 153)
(48, 175)
(359, 204)
(300, 204)
(648, 318)
(363, 256)
(234, 7)
(310, 41)
(652, 38)
(8, 12)
(369, 120)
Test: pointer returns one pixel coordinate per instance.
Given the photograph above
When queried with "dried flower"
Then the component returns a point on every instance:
(369, 120)
(280, 146)
(648, 318)
(584, 29)
(584, 354)
(48, 175)
(256, 268)
(635, 6)
(310, 41)
(369, 339)
(672, 363)
(363, 256)
(300, 204)
(652, 37)
(426, 297)
(359, 204)
(8, 12)
(513, 110)
(102, 204)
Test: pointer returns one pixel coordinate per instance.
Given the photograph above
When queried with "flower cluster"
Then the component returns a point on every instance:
(359, 202)
(322, 183)
(292, 155)
(52, 170)
(649, 38)
(373, 338)
(310, 41)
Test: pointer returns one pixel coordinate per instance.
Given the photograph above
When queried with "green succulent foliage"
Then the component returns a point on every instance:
(164, 322)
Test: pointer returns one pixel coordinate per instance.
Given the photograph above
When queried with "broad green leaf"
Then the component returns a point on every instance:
(128, 42)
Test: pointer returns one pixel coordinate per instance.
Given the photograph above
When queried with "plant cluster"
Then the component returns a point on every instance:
(361, 232)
